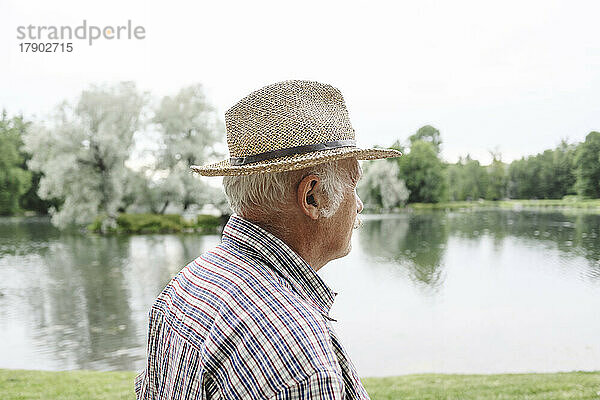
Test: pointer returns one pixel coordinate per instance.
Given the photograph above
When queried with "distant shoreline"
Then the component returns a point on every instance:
(208, 224)
(591, 205)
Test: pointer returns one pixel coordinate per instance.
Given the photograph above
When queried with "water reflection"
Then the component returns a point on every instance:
(417, 242)
(71, 301)
(22, 236)
(86, 310)
(81, 298)
(414, 242)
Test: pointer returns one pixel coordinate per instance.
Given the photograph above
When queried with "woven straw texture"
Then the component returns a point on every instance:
(283, 115)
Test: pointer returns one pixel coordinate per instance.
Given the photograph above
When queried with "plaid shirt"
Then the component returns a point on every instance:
(248, 319)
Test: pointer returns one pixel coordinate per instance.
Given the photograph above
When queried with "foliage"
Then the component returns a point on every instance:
(548, 175)
(79, 160)
(208, 221)
(155, 223)
(423, 172)
(429, 134)
(497, 181)
(587, 161)
(381, 187)
(79, 156)
(522, 179)
(467, 180)
(82, 153)
(31, 201)
(190, 127)
(15, 180)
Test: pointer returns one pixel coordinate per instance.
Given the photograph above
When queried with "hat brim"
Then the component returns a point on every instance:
(289, 163)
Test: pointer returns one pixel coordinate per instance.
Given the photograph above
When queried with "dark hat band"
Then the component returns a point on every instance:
(290, 151)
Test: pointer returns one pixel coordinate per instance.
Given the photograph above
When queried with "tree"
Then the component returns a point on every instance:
(15, 180)
(423, 173)
(429, 134)
(546, 178)
(82, 153)
(454, 176)
(381, 186)
(588, 166)
(467, 180)
(190, 128)
(564, 169)
(547, 175)
(496, 188)
(475, 180)
(517, 178)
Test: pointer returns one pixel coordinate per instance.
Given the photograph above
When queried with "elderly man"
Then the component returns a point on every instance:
(249, 319)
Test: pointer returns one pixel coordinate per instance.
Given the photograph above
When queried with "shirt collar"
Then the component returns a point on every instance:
(261, 244)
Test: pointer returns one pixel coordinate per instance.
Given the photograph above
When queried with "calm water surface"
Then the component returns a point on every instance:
(466, 292)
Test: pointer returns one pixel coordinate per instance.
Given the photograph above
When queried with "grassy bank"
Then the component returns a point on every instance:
(71, 385)
(155, 223)
(76, 385)
(571, 385)
(592, 205)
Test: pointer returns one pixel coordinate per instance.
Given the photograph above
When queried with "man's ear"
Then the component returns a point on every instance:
(307, 197)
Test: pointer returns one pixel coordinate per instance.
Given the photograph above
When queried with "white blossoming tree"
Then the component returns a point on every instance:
(190, 127)
(380, 187)
(82, 151)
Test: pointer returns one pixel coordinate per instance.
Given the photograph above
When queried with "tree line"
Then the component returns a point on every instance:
(117, 149)
(421, 176)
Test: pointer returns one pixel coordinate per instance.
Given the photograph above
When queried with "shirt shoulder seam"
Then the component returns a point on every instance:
(164, 320)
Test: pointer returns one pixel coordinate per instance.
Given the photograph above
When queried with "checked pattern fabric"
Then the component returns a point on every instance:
(248, 319)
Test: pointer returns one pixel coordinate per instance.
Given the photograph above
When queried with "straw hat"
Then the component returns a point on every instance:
(286, 126)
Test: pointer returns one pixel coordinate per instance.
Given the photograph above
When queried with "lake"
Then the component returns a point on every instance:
(482, 291)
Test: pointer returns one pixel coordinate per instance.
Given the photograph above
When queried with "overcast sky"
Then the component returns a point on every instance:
(512, 76)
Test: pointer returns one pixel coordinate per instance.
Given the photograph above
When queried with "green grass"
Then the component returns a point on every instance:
(88, 385)
(157, 223)
(571, 385)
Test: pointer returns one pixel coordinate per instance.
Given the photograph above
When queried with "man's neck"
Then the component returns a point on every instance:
(299, 236)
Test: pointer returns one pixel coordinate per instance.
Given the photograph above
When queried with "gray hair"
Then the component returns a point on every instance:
(274, 191)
